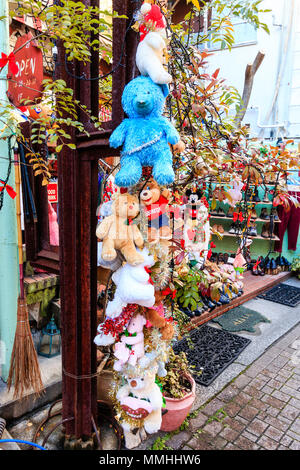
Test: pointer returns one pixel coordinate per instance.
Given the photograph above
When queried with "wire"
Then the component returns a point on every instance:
(21, 441)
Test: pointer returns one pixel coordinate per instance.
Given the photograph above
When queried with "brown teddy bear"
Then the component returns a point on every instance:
(155, 202)
(157, 321)
(119, 231)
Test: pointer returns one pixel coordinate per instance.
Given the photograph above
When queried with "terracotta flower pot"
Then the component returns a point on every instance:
(178, 408)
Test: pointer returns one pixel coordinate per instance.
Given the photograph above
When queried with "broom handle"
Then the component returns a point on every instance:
(20, 245)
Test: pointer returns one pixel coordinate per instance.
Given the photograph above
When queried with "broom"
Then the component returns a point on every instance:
(24, 372)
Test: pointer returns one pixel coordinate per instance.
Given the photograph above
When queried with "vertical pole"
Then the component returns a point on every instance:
(9, 273)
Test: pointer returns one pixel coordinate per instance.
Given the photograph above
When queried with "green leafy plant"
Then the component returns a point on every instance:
(295, 267)
(187, 293)
(175, 384)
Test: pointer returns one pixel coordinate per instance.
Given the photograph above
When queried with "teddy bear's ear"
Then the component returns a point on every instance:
(164, 89)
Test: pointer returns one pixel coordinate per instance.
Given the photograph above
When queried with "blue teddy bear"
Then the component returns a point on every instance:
(145, 134)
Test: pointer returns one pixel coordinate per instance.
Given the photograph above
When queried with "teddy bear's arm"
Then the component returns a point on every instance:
(171, 133)
(103, 228)
(123, 392)
(133, 339)
(137, 237)
(156, 398)
(118, 136)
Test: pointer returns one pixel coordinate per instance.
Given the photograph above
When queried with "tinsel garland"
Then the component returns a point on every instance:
(161, 271)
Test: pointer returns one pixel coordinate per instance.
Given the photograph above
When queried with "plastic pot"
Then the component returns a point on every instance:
(178, 408)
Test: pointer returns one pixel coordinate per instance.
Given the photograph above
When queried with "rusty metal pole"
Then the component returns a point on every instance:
(77, 183)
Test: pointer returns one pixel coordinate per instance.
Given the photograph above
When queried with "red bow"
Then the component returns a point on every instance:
(10, 191)
(238, 215)
(11, 60)
(212, 245)
(168, 291)
(148, 270)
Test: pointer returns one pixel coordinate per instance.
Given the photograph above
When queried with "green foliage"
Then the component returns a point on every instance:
(187, 291)
(81, 29)
(174, 384)
(296, 266)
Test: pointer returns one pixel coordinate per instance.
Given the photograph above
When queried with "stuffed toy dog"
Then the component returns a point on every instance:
(119, 232)
(150, 51)
(133, 286)
(145, 134)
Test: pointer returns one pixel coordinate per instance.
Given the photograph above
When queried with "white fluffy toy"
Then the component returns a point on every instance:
(149, 54)
(141, 398)
(132, 286)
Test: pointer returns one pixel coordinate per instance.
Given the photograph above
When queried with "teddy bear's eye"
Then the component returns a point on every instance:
(148, 92)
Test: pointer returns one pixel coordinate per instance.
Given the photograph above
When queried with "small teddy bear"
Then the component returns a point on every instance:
(132, 286)
(150, 51)
(131, 346)
(145, 134)
(197, 235)
(155, 202)
(119, 232)
(141, 399)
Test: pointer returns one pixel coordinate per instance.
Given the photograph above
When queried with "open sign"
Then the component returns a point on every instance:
(27, 84)
(52, 192)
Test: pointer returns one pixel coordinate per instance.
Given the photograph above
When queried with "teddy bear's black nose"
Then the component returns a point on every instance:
(141, 102)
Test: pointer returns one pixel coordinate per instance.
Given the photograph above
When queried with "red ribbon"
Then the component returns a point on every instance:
(212, 245)
(10, 191)
(11, 60)
(168, 291)
(238, 215)
(148, 270)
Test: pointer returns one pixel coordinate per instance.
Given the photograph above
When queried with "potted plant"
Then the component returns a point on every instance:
(295, 267)
(178, 390)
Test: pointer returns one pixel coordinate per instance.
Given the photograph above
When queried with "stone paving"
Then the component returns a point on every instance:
(260, 409)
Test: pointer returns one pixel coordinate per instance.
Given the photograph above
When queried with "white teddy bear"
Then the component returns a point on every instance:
(149, 54)
(141, 398)
(197, 237)
(133, 286)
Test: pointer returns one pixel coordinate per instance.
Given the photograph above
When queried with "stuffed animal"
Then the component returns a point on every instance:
(155, 202)
(197, 236)
(131, 346)
(119, 232)
(156, 318)
(133, 286)
(141, 400)
(145, 134)
(235, 194)
(192, 206)
(150, 51)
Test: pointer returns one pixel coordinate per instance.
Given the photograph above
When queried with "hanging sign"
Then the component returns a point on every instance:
(52, 192)
(27, 83)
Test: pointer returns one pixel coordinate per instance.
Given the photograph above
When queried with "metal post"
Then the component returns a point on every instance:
(9, 272)
(77, 184)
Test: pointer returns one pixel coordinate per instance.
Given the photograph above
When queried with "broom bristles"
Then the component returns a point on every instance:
(24, 372)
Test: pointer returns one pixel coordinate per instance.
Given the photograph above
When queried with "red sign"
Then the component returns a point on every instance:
(52, 192)
(27, 83)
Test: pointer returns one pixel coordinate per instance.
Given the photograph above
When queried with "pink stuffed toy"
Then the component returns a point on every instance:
(131, 346)
(53, 226)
